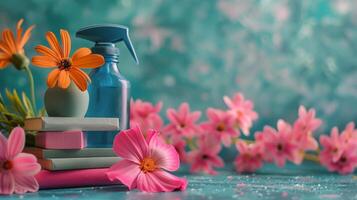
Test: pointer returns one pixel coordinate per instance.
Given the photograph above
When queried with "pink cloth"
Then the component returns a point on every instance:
(61, 140)
(73, 178)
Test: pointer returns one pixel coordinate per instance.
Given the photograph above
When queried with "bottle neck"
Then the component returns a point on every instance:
(110, 65)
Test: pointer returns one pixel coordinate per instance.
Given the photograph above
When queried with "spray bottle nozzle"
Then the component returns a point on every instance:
(108, 34)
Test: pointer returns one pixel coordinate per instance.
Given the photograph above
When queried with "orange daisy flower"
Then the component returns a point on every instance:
(12, 48)
(68, 68)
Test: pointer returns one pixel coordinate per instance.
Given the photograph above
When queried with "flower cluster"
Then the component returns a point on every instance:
(196, 142)
(199, 143)
(339, 152)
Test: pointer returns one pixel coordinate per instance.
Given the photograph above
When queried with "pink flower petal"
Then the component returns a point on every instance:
(194, 116)
(150, 134)
(226, 140)
(16, 142)
(212, 114)
(228, 102)
(125, 171)
(25, 184)
(184, 109)
(165, 155)
(7, 183)
(26, 164)
(302, 111)
(130, 144)
(160, 181)
(3, 145)
(172, 116)
(217, 161)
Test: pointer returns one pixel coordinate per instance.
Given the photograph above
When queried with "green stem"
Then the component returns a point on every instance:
(311, 157)
(32, 87)
(190, 144)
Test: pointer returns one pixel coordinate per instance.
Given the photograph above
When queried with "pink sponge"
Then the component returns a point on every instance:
(61, 140)
(73, 178)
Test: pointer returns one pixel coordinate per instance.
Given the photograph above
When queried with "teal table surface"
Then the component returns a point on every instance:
(308, 181)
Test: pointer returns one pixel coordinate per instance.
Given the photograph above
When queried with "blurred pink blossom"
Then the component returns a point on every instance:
(337, 154)
(180, 147)
(242, 110)
(303, 130)
(145, 115)
(182, 123)
(221, 125)
(250, 157)
(279, 145)
(205, 157)
(350, 133)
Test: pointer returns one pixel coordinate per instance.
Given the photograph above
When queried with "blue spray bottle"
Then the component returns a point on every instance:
(109, 92)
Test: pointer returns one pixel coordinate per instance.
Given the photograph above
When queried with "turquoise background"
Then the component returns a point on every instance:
(279, 53)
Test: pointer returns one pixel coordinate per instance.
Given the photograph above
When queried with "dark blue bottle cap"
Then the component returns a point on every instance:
(105, 37)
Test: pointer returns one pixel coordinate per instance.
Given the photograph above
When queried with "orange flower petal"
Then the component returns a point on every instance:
(8, 38)
(47, 52)
(19, 23)
(53, 42)
(3, 63)
(82, 73)
(4, 56)
(52, 78)
(66, 43)
(43, 61)
(79, 78)
(81, 52)
(5, 48)
(26, 36)
(89, 61)
(19, 33)
(63, 79)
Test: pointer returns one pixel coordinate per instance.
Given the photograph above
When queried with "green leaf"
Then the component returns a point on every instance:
(28, 105)
(17, 101)
(2, 99)
(42, 112)
(12, 116)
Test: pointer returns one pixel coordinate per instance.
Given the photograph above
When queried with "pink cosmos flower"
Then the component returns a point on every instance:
(221, 125)
(17, 169)
(250, 157)
(145, 161)
(279, 145)
(304, 127)
(182, 122)
(338, 155)
(206, 156)
(145, 115)
(242, 110)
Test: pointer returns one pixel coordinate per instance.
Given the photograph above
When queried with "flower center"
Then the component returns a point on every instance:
(239, 113)
(335, 150)
(343, 159)
(220, 127)
(205, 156)
(7, 165)
(147, 165)
(65, 64)
(182, 125)
(279, 147)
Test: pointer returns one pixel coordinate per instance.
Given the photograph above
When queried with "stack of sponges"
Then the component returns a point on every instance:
(60, 147)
